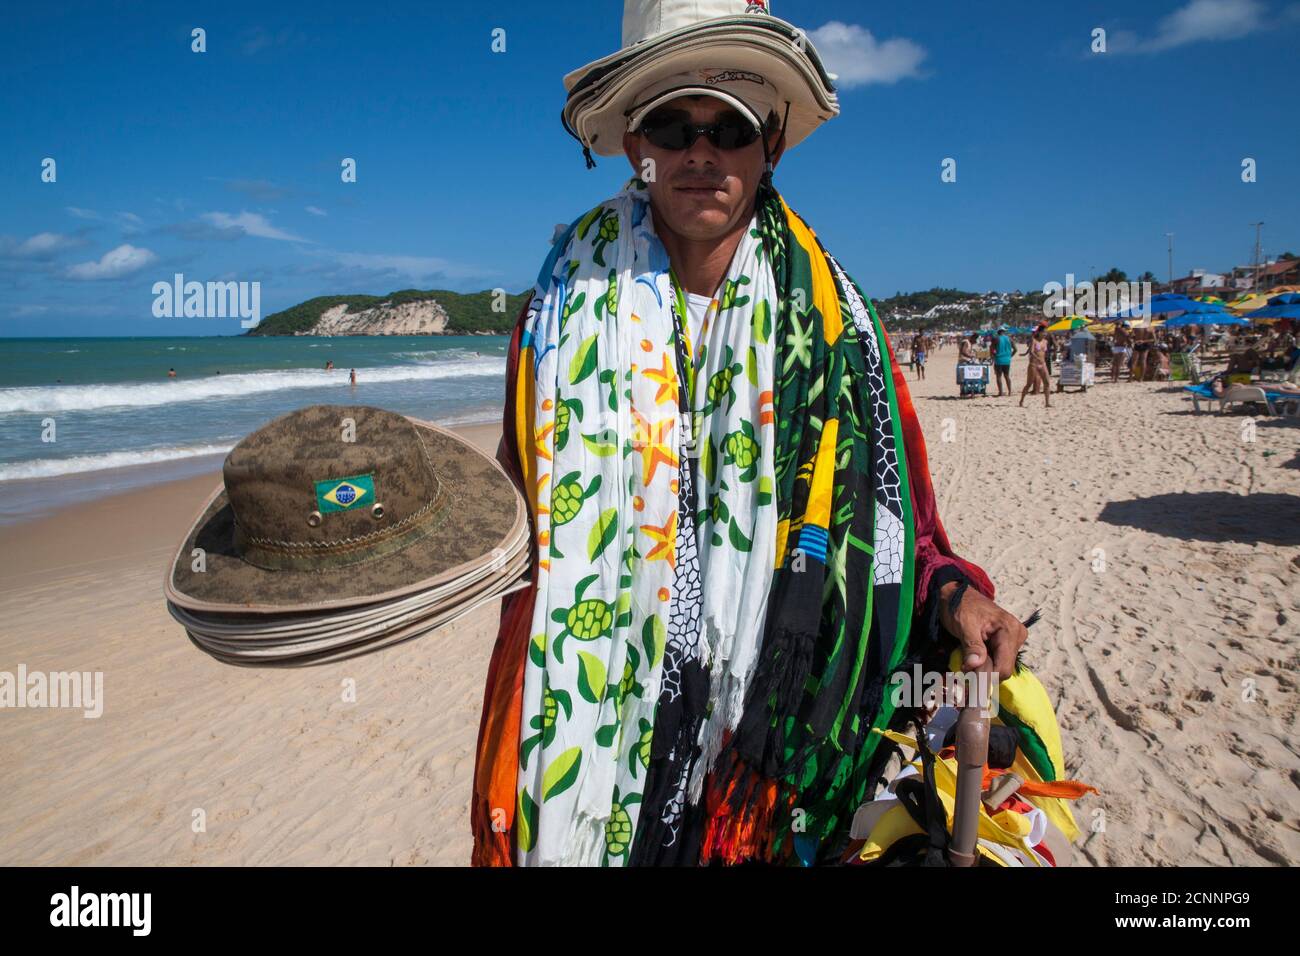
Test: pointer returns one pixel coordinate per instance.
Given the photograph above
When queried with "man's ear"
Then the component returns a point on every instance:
(632, 149)
(777, 150)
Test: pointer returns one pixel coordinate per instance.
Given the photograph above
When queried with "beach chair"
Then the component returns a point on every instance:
(1243, 395)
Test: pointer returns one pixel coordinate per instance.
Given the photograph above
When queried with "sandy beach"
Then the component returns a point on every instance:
(1162, 547)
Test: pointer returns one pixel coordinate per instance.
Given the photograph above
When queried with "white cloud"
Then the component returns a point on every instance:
(858, 58)
(114, 264)
(316, 211)
(1199, 21)
(252, 223)
(42, 245)
(130, 218)
(82, 213)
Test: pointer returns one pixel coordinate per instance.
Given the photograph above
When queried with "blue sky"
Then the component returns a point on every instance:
(225, 165)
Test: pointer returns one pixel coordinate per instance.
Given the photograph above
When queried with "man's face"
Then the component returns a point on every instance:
(702, 192)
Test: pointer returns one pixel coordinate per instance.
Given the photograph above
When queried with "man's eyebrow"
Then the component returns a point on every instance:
(663, 114)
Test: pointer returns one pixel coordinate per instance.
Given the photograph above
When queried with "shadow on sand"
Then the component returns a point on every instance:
(1219, 516)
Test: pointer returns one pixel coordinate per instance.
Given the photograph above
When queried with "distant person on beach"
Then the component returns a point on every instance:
(919, 344)
(1003, 350)
(1119, 350)
(171, 373)
(679, 553)
(353, 378)
(1037, 366)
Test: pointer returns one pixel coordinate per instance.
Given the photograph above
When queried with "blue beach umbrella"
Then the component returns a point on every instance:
(1205, 315)
(1162, 303)
(1285, 306)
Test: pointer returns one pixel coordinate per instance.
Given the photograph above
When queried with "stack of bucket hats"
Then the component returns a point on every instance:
(342, 529)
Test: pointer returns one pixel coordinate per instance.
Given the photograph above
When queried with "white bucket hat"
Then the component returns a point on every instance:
(729, 49)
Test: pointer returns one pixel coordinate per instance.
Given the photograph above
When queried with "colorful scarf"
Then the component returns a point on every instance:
(809, 539)
(607, 451)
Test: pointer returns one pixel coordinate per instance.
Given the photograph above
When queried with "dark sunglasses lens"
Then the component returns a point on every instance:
(672, 134)
(733, 132)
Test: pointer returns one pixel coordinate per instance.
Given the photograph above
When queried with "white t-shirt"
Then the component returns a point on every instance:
(696, 307)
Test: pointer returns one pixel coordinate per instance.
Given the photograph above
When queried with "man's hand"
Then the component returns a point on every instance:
(982, 628)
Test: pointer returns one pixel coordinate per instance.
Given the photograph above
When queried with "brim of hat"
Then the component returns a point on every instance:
(483, 524)
(643, 109)
(321, 648)
(602, 91)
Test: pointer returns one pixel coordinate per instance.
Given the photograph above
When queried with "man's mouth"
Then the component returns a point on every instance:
(699, 189)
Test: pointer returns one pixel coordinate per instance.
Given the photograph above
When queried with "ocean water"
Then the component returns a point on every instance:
(113, 407)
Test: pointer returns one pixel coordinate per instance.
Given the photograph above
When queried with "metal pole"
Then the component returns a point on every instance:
(1254, 279)
(1170, 236)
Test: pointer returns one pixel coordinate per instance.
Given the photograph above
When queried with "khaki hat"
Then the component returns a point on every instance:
(669, 41)
(333, 507)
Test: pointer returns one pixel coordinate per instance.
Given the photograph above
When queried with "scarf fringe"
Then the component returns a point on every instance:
(491, 847)
(586, 843)
(742, 805)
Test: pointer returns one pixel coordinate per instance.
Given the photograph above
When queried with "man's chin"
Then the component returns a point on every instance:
(701, 221)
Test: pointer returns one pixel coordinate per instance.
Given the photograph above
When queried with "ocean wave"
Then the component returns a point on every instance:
(68, 398)
(51, 467)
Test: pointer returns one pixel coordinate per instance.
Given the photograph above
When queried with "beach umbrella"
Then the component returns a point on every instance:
(1286, 306)
(1104, 328)
(1249, 302)
(1069, 324)
(1162, 304)
(1205, 315)
(1212, 299)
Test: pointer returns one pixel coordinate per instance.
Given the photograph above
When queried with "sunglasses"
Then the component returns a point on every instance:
(675, 131)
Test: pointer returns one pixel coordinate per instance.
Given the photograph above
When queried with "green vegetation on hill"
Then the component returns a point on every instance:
(466, 312)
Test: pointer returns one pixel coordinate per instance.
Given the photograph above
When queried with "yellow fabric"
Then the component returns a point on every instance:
(782, 533)
(825, 297)
(818, 511)
(1006, 828)
(1056, 808)
(524, 425)
(1025, 697)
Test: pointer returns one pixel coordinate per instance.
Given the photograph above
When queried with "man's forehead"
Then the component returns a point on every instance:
(697, 107)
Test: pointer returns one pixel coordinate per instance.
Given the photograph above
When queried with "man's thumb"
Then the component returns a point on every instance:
(973, 650)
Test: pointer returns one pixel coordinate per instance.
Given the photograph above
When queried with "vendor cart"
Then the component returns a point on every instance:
(1080, 370)
(973, 378)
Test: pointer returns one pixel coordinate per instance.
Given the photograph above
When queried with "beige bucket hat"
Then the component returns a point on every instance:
(730, 49)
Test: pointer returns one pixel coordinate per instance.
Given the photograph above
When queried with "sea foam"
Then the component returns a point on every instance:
(51, 467)
(66, 398)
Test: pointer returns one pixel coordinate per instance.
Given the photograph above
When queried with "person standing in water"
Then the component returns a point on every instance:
(1037, 366)
(352, 379)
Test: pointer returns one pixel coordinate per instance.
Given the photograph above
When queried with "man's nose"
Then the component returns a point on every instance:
(702, 151)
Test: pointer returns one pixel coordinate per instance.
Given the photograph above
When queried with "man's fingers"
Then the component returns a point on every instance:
(972, 648)
(1003, 648)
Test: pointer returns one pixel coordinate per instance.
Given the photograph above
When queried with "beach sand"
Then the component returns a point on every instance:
(1170, 654)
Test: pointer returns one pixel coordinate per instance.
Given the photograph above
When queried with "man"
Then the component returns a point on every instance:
(920, 344)
(731, 550)
(1003, 351)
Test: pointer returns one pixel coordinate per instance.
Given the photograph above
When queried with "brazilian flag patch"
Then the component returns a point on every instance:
(344, 494)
